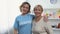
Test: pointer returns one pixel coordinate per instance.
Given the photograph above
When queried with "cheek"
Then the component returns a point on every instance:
(21, 9)
(37, 13)
(27, 9)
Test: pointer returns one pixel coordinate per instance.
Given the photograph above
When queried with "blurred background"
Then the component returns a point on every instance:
(9, 9)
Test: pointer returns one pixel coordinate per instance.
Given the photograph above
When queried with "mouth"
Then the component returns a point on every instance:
(37, 13)
(24, 10)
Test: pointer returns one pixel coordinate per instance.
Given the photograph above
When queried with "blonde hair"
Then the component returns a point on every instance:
(40, 7)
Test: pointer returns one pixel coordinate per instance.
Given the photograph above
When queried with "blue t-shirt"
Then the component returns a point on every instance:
(23, 23)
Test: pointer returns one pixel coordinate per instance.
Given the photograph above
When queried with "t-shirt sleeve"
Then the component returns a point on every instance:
(16, 24)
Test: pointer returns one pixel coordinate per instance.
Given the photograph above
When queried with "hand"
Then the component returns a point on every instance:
(45, 18)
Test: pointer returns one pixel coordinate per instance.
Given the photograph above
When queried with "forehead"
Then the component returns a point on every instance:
(26, 5)
(37, 7)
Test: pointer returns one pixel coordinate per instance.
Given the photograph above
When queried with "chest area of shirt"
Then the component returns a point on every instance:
(25, 20)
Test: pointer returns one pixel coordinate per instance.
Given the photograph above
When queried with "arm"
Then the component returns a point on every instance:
(16, 26)
(49, 28)
(15, 31)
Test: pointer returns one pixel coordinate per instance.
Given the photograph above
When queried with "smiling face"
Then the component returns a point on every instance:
(25, 8)
(38, 10)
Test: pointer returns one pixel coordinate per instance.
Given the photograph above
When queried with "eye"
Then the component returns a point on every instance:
(35, 9)
(25, 7)
(39, 9)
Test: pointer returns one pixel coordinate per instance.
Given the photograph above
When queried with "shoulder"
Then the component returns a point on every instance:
(18, 16)
(31, 15)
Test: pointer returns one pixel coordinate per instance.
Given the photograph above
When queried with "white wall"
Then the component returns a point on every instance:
(45, 3)
(9, 9)
(3, 16)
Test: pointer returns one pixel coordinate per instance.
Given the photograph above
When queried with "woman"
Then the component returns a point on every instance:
(23, 22)
(40, 25)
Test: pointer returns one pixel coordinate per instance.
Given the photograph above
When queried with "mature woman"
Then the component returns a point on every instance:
(40, 25)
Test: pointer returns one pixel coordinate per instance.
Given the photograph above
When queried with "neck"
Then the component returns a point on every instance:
(23, 14)
(37, 18)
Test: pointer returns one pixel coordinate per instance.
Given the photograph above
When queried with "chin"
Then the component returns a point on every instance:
(37, 15)
(24, 12)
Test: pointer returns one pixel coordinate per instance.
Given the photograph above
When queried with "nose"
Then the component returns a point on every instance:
(35, 11)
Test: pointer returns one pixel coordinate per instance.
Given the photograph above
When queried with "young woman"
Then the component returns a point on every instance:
(23, 22)
(40, 25)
